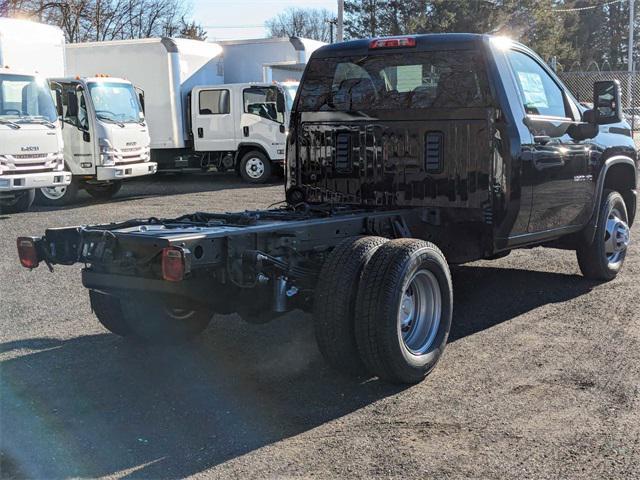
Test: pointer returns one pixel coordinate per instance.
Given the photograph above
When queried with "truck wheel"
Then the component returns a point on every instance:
(334, 303)
(156, 319)
(104, 191)
(108, 310)
(403, 310)
(58, 196)
(21, 203)
(255, 167)
(603, 258)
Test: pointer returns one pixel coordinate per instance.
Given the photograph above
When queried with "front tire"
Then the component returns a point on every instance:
(334, 303)
(104, 191)
(21, 203)
(58, 196)
(602, 259)
(404, 310)
(255, 167)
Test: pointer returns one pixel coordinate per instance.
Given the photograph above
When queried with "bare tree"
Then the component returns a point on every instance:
(301, 22)
(99, 20)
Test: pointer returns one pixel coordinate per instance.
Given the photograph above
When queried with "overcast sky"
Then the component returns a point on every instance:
(230, 19)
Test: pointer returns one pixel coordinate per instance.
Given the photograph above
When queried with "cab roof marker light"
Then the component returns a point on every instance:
(392, 42)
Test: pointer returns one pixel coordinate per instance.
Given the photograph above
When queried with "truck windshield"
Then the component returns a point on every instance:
(290, 90)
(442, 79)
(26, 99)
(116, 102)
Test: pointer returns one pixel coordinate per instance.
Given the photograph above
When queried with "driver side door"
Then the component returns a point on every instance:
(556, 167)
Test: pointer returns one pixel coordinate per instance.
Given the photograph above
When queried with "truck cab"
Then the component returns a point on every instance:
(241, 126)
(105, 135)
(31, 152)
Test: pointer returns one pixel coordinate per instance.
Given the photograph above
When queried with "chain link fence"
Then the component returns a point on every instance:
(581, 85)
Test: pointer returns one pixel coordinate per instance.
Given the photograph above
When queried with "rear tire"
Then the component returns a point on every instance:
(602, 259)
(58, 196)
(151, 318)
(21, 203)
(335, 298)
(403, 310)
(108, 310)
(105, 191)
(255, 167)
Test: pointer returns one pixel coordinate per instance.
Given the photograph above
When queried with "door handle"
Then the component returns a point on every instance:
(245, 131)
(541, 139)
(200, 132)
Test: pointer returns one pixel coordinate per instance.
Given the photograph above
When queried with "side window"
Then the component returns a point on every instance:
(540, 94)
(262, 101)
(213, 102)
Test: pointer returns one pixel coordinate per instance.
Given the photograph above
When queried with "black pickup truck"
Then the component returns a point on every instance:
(404, 155)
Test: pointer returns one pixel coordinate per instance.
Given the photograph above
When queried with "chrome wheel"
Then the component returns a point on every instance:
(54, 193)
(616, 237)
(420, 312)
(254, 167)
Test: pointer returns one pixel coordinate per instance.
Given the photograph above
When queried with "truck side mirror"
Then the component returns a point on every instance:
(141, 99)
(606, 102)
(280, 103)
(72, 104)
(59, 108)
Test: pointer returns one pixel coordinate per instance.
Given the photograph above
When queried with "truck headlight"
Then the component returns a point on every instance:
(107, 153)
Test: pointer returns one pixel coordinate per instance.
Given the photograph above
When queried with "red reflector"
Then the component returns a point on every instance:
(173, 264)
(27, 252)
(393, 42)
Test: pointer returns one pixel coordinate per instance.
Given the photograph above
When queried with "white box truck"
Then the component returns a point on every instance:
(166, 69)
(31, 147)
(280, 59)
(196, 121)
(105, 134)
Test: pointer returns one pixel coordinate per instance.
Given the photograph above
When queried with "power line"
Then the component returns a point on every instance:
(591, 7)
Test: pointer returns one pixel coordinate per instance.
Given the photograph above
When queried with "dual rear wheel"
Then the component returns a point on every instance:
(384, 308)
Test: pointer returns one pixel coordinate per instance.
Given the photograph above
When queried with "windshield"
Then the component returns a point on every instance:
(115, 102)
(25, 99)
(444, 79)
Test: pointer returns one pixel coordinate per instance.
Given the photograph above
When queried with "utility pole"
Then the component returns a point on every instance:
(340, 22)
(630, 49)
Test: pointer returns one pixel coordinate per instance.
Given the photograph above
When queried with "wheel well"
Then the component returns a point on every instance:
(244, 149)
(622, 178)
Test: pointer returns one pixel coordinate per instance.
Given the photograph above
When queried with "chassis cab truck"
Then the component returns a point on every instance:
(404, 155)
(106, 137)
(240, 126)
(30, 136)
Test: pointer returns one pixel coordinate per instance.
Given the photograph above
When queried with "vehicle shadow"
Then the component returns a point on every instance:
(100, 405)
(164, 185)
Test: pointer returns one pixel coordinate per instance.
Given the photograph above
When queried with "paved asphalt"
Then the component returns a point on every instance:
(541, 378)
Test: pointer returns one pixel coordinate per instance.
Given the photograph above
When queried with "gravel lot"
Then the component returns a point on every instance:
(541, 378)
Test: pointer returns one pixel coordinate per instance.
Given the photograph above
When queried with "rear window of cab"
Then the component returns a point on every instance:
(442, 79)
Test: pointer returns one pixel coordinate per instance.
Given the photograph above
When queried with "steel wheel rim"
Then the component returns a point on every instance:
(616, 237)
(54, 193)
(420, 312)
(180, 313)
(255, 167)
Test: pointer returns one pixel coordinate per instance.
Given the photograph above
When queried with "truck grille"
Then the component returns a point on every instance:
(129, 155)
(28, 163)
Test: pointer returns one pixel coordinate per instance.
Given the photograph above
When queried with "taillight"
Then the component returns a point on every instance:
(174, 265)
(393, 42)
(27, 252)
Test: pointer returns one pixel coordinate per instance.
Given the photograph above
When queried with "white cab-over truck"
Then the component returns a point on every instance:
(106, 137)
(244, 131)
(31, 148)
(241, 126)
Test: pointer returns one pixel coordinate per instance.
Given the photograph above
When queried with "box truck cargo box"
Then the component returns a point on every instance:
(166, 69)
